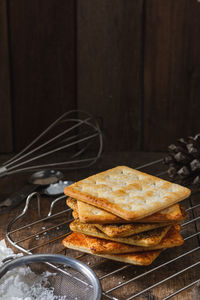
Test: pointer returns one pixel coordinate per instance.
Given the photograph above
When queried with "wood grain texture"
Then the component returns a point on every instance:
(109, 41)
(5, 92)
(43, 64)
(137, 65)
(171, 72)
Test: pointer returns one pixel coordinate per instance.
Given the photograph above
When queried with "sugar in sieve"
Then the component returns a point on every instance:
(71, 279)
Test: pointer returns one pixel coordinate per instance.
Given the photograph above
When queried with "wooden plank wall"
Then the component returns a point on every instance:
(6, 134)
(109, 66)
(43, 64)
(171, 71)
(135, 64)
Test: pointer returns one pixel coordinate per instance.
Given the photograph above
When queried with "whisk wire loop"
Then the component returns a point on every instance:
(81, 135)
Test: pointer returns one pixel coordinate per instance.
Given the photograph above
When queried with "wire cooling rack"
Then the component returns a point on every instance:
(175, 273)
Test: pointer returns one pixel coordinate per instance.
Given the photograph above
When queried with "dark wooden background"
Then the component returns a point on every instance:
(136, 64)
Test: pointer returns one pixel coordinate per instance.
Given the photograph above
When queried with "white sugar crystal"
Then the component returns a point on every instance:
(56, 188)
(23, 284)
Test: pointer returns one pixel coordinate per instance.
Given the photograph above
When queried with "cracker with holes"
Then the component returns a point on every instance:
(88, 213)
(127, 193)
(145, 239)
(91, 214)
(102, 246)
(123, 230)
(78, 241)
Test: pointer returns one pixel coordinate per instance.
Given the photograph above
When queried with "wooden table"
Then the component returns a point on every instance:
(101, 266)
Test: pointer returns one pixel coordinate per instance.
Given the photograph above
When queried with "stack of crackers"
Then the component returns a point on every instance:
(125, 215)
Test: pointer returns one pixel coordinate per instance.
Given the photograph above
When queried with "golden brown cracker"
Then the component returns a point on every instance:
(93, 215)
(123, 230)
(127, 193)
(102, 246)
(145, 239)
(77, 241)
(72, 203)
(75, 214)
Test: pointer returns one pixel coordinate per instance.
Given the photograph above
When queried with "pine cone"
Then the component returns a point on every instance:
(183, 160)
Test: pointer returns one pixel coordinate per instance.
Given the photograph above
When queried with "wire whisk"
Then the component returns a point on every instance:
(76, 135)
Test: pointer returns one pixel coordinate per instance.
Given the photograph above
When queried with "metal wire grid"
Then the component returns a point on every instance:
(108, 293)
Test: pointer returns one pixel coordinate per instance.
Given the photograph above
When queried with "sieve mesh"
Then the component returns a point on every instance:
(66, 282)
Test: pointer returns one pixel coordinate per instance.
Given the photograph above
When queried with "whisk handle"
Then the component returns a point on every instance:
(3, 171)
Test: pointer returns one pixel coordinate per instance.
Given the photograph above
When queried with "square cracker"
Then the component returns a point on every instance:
(145, 239)
(88, 213)
(77, 241)
(123, 230)
(91, 214)
(101, 246)
(127, 193)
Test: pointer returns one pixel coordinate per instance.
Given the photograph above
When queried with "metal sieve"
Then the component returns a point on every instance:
(70, 279)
